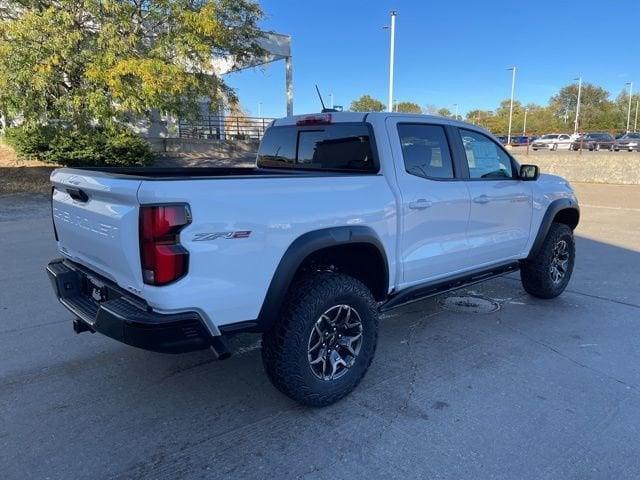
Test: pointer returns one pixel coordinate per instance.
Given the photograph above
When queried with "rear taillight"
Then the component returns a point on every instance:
(162, 257)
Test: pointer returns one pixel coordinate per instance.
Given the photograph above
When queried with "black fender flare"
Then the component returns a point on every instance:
(553, 209)
(298, 251)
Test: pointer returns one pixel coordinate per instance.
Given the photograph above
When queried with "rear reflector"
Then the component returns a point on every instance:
(163, 258)
(323, 119)
(53, 218)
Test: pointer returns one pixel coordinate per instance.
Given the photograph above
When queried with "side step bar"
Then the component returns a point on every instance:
(420, 292)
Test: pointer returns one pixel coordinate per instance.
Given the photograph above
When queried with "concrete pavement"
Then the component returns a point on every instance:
(539, 389)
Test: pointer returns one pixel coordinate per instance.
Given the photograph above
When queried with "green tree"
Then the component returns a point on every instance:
(595, 106)
(100, 60)
(366, 103)
(621, 109)
(444, 112)
(408, 107)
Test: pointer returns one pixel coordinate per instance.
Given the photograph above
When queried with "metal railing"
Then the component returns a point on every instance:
(217, 127)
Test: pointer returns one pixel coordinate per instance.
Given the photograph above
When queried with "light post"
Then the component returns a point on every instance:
(635, 123)
(629, 109)
(259, 109)
(513, 88)
(524, 126)
(456, 110)
(331, 97)
(575, 125)
(392, 46)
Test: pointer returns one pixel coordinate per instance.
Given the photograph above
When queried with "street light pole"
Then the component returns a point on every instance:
(629, 109)
(456, 114)
(513, 88)
(575, 125)
(524, 126)
(392, 47)
(259, 109)
(635, 123)
(331, 97)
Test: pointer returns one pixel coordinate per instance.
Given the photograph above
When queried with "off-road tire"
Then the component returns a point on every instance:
(285, 348)
(535, 272)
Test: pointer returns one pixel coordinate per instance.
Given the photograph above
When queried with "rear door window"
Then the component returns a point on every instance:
(425, 150)
(337, 147)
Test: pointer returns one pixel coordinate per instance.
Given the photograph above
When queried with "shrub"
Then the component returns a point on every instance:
(76, 148)
(30, 141)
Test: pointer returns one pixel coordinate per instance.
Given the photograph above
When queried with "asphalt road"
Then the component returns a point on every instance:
(538, 389)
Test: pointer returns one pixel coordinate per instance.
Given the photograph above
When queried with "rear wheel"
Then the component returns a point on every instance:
(548, 272)
(324, 341)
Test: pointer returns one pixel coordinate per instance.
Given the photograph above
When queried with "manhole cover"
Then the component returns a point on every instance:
(469, 304)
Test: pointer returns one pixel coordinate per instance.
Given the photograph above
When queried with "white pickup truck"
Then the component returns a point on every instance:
(345, 215)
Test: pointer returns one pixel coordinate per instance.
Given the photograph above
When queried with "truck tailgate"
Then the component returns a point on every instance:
(96, 221)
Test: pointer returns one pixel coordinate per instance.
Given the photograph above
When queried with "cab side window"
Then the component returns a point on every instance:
(485, 158)
(425, 150)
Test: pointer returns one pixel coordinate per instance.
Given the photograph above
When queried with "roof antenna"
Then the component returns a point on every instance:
(320, 97)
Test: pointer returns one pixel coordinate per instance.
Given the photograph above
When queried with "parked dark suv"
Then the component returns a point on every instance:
(629, 141)
(594, 141)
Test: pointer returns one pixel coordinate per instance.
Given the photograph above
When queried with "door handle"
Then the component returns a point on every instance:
(482, 199)
(420, 204)
(78, 194)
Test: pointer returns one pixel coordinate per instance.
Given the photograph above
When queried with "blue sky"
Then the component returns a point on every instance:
(447, 52)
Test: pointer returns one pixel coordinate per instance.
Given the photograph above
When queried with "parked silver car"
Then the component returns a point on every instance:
(629, 141)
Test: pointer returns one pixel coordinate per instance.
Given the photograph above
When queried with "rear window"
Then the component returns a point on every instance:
(342, 147)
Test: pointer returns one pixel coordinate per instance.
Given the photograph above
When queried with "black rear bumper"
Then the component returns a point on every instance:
(123, 316)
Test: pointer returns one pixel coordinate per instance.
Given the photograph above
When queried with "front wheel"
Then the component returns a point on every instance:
(324, 341)
(547, 273)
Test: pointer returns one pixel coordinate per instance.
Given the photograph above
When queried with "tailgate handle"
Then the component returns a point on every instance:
(78, 194)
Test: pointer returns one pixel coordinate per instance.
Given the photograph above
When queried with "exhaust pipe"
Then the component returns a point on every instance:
(219, 348)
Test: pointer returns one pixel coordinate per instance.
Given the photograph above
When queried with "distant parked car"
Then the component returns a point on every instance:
(594, 141)
(502, 139)
(552, 141)
(628, 141)
(520, 140)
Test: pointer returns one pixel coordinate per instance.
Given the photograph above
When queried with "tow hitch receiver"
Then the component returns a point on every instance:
(80, 326)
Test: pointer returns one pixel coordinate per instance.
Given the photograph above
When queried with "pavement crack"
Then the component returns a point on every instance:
(590, 295)
(571, 359)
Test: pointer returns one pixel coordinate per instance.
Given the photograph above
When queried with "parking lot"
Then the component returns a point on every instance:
(538, 389)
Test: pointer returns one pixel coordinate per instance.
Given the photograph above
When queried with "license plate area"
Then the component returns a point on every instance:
(96, 289)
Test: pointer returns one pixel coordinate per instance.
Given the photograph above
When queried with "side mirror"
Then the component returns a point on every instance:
(529, 172)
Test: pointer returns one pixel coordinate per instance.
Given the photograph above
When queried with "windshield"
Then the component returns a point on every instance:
(548, 137)
(632, 135)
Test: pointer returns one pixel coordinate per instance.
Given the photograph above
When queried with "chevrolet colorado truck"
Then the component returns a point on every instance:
(344, 216)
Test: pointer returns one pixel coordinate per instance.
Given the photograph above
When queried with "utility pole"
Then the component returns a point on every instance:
(513, 89)
(524, 126)
(456, 114)
(392, 47)
(635, 123)
(629, 110)
(575, 125)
